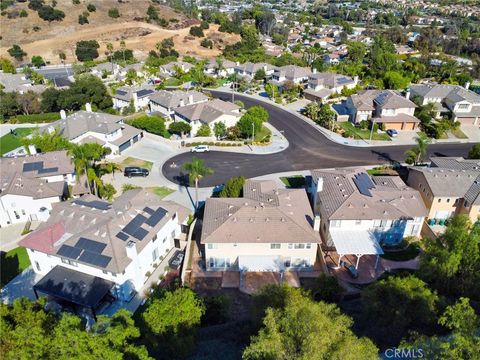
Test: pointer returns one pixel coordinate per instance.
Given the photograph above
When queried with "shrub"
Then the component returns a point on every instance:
(87, 50)
(114, 13)
(206, 43)
(179, 128)
(17, 52)
(49, 13)
(204, 25)
(196, 31)
(91, 8)
(204, 130)
(152, 124)
(217, 310)
(233, 188)
(76, 2)
(82, 19)
(23, 13)
(35, 118)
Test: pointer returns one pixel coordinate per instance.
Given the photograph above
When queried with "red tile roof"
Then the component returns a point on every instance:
(43, 239)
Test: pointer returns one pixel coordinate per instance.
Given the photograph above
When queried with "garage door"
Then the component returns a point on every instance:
(392, 125)
(136, 138)
(124, 146)
(408, 126)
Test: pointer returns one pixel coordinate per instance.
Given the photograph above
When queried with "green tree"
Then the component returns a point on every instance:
(9, 105)
(152, 13)
(87, 50)
(326, 117)
(382, 57)
(312, 110)
(91, 7)
(47, 141)
(326, 288)
(17, 52)
(204, 130)
(179, 128)
(196, 171)
(37, 61)
(260, 75)
(113, 13)
(395, 80)
(474, 152)
(258, 112)
(7, 66)
(172, 320)
(153, 124)
(417, 154)
(219, 129)
(196, 31)
(49, 13)
(233, 188)
(304, 329)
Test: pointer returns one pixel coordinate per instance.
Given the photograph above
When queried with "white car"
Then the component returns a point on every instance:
(200, 148)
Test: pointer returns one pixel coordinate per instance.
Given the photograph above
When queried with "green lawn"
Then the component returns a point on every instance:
(130, 161)
(161, 191)
(360, 134)
(459, 134)
(262, 134)
(409, 253)
(382, 170)
(294, 182)
(10, 142)
(13, 263)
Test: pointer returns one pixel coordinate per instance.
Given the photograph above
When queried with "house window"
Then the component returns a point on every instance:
(448, 200)
(155, 254)
(290, 246)
(211, 262)
(173, 234)
(414, 230)
(174, 216)
(69, 262)
(335, 223)
(105, 272)
(439, 200)
(308, 246)
(417, 219)
(383, 223)
(377, 223)
(299, 246)
(16, 215)
(23, 212)
(154, 237)
(212, 246)
(114, 274)
(37, 265)
(274, 246)
(358, 222)
(463, 106)
(466, 203)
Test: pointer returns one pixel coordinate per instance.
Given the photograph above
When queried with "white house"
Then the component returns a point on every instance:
(208, 113)
(122, 242)
(102, 128)
(214, 69)
(249, 69)
(293, 73)
(31, 184)
(269, 229)
(321, 85)
(358, 212)
(140, 96)
(165, 102)
(107, 69)
(170, 69)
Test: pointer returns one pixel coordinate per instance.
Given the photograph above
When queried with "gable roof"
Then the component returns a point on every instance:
(208, 112)
(391, 99)
(126, 93)
(330, 80)
(342, 198)
(456, 163)
(454, 93)
(264, 215)
(173, 99)
(291, 72)
(109, 225)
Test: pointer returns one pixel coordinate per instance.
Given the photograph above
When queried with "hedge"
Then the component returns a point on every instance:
(35, 118)
(212, 144)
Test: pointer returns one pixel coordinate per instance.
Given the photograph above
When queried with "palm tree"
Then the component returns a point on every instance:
(110, 53)
(109, 168)
(422, 146)
(196, 170)
(81, 162)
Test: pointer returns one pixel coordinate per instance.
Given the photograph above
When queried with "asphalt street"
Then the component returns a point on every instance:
(309, 149)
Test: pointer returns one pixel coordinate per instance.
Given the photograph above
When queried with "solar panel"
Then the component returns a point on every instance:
(343, 80)
(33, 166)
(148, 210)
(143, 92)
(134, 224)
(121, 92)
(97, 204)
(48, 170)
(69, 251)
(156, 217)
(90, 245)
(122, 236)
(140, 234)
(95, 259)
(364, 184)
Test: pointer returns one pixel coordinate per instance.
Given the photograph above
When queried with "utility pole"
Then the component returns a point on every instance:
(233, 87)
(253, 132)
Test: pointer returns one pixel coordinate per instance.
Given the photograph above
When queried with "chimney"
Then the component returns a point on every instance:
(407, 94)
(467, 85)
(63, 114)
(316, 223)
(190, 99)
(320, 185)
(88, 107)
(131, 250)
(32, 149)
(182, 103)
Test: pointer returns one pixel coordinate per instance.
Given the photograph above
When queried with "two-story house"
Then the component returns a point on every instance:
(171, 68)
(209, 113)
(249, 69)
(102, 128)
(268, 229)
(121, 242)
(31, 184)
(139, 96)
(461, 103)
(385, 107)
(165, 102)
(105, 70)
(225, 68)
(358, 212)
(19, 83)
(293, 73)
(321, 85)
(448, 191)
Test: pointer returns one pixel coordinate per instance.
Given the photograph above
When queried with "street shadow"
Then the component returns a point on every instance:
(10, 266)
(384, 156)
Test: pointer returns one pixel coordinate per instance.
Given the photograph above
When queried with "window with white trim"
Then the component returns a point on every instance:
(308, 245)
(275, 246)
(212, 246)
(335, 223)
(299, 246)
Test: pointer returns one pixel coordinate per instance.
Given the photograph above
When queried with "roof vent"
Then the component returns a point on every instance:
(282, 219)
(267, 219)
(229, 214)
(251, 220)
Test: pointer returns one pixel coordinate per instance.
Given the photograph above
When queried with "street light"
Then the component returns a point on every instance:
(253, 132)
(373, 126)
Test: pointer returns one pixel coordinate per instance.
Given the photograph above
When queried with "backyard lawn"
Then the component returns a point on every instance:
(360, 134)
(13, 263)
(130, 161)
(161, 191)
(10, 141)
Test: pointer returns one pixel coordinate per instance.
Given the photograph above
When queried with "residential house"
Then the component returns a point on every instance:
(170, 69)
(18, 83)
(208, 113)
(137, 67)
(269, 229)
(385, 107)
(31, 184)
(101, 128)
(105, 70)
(293, 73)
(139, 96)
(448, 192)
(462, 103)
(321, 85)
(333, 58)
(226, 68)
(455, 163)
(165, 102)
(122, 242)
(358, 212)
(249, 69)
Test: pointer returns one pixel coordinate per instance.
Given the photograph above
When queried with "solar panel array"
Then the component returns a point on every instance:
(33, 166)
(364, 184)
(144, 92)
(48, 170)
(134, 227)
(343, 80)
(121, 92)
(97, 204)
(87, 251)
(155, 218)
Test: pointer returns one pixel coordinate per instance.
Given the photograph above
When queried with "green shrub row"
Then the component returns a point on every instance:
(35, 118)
(212, 144)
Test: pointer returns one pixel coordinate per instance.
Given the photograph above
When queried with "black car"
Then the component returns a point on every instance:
(135, 171)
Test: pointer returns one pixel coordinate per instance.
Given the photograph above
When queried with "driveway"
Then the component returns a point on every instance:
(308, 149)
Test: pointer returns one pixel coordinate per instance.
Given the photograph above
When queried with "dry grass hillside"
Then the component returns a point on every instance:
(52, 38)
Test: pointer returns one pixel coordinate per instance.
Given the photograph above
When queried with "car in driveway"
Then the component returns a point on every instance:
(392, 132)
(135, 171)
(200, 148)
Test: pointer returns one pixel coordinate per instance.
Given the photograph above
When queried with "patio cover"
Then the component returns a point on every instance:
(260, 263)
(73, 286)
(355, 242)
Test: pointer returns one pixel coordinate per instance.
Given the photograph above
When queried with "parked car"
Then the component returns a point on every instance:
(200, 148)
(352, 271)
(392, 132)
(135, 171)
